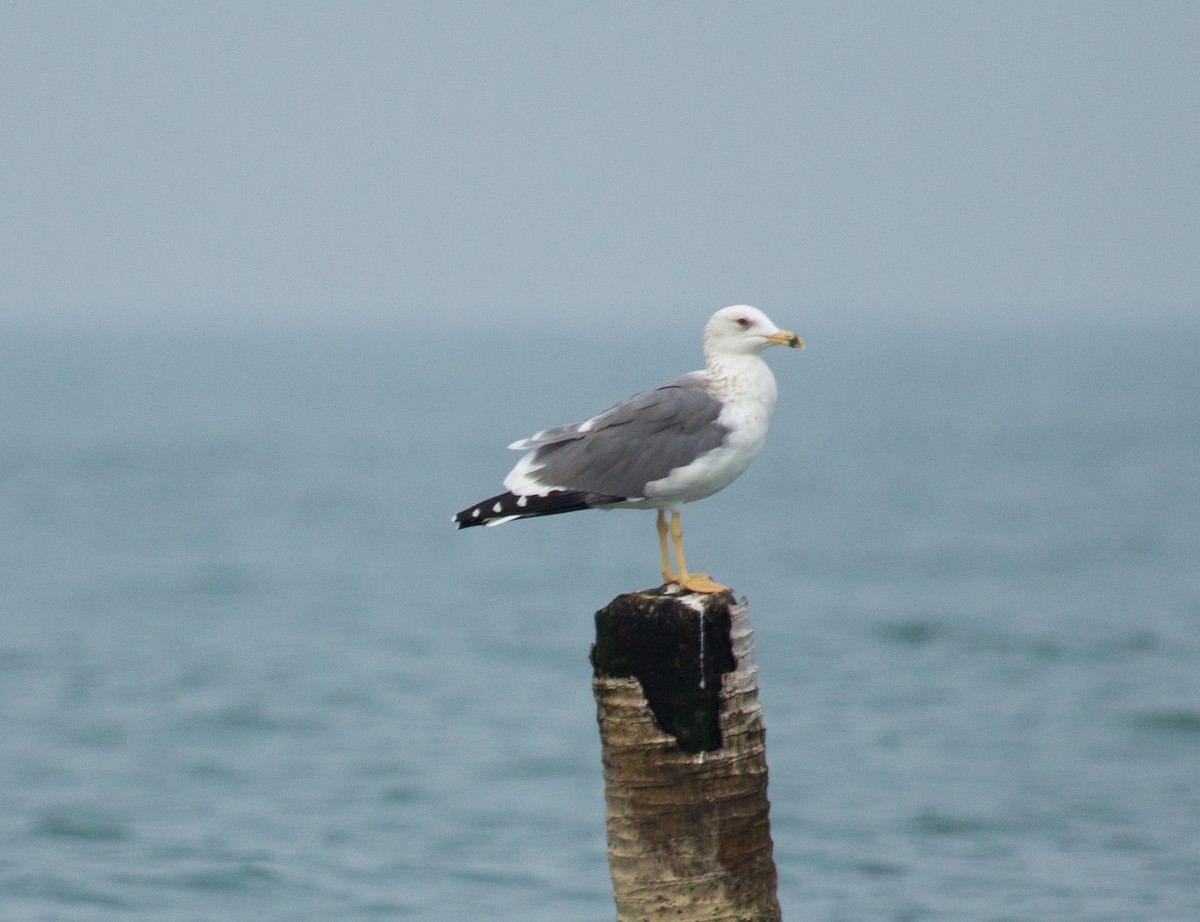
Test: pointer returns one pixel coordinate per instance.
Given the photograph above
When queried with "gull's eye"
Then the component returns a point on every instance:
(743, 322)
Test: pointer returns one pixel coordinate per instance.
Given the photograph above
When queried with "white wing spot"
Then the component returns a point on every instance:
(523, 501)
(475, 513)
(496, 508)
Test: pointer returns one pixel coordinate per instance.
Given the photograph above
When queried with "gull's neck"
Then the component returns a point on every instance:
(740, 378)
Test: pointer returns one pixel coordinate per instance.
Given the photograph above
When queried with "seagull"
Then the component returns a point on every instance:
(658, 449)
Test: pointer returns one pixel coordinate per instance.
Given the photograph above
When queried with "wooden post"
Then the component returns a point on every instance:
(685, 772)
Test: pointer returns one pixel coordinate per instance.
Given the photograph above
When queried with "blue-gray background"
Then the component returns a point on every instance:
(280, 281)
(295, 161)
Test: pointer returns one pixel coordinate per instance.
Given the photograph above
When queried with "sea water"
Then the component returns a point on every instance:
(249, 671)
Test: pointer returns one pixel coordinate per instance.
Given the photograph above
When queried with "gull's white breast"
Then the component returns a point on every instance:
(746, 387)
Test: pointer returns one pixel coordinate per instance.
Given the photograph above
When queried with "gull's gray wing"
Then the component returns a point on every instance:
(640, 440)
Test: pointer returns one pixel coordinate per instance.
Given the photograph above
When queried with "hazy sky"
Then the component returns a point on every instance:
(196, 162)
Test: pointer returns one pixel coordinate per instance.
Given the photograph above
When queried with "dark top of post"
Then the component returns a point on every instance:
(678, 647)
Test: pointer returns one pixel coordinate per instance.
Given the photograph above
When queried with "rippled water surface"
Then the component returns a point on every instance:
(248, 671)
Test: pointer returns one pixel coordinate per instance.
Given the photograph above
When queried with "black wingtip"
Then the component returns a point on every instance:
(471, 517)
(508, 506)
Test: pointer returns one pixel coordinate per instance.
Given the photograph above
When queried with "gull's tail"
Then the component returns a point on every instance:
(508, 506)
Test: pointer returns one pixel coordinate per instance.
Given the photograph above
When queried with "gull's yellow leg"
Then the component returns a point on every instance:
(668, 576)
(693, 582)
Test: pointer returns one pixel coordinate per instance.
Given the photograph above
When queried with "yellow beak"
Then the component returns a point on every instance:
(786, 338)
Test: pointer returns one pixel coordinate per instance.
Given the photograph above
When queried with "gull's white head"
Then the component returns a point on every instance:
(744, 330)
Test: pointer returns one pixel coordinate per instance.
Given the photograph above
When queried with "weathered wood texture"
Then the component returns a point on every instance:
(685, 771)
